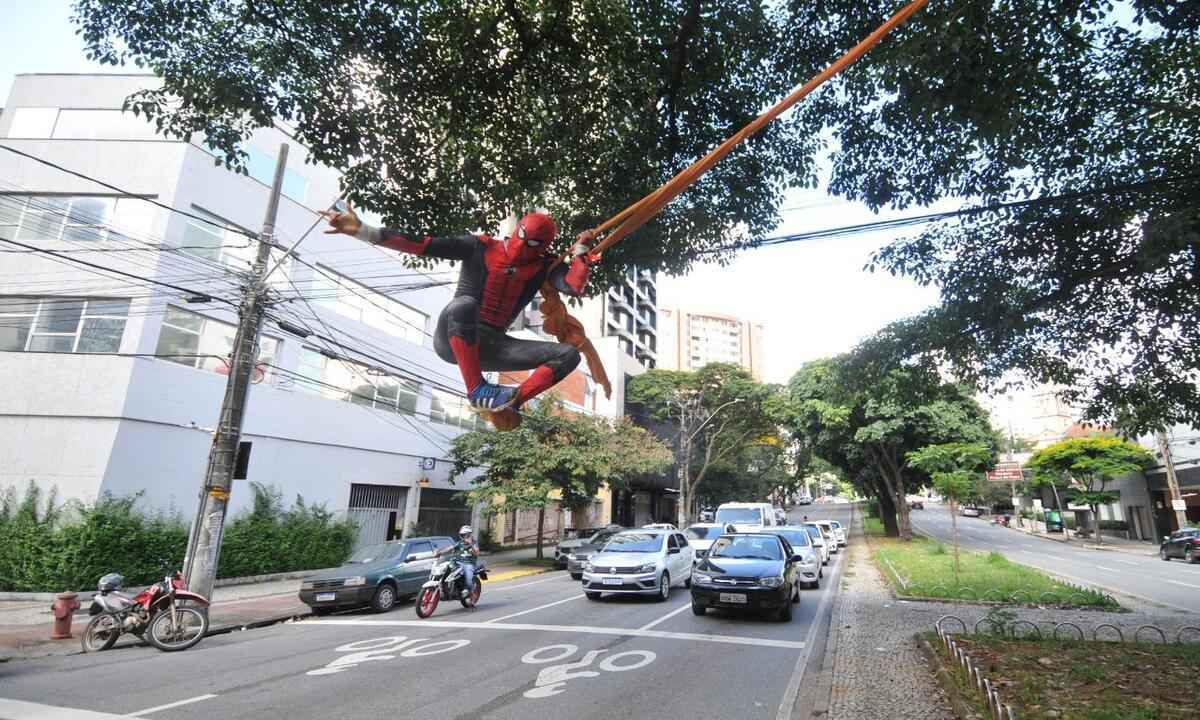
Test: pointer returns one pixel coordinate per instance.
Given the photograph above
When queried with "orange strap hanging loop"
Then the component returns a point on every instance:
(637, 214)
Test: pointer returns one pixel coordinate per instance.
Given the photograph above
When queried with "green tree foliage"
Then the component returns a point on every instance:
(449, 115)
(718, 413)
(1034, 98)
(865, 424)
(554, 455)
(955, 470)
(1086, 466)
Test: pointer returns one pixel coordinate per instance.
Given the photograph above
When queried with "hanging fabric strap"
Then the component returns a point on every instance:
(634, 216)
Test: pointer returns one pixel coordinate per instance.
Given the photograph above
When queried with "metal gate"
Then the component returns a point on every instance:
(378, 510)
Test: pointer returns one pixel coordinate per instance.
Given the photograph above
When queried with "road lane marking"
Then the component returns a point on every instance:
(579, 629)
(668, 616)
(1176, 582)
(21, 710)
(168, 706)
(1126, 562)
(539, 607)
(1101, 567)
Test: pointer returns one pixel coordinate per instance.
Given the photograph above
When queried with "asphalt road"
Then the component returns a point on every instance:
(534, 647)
(1173, 584)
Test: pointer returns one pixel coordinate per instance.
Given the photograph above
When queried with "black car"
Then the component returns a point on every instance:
(376, 576)
(751, 571)
(1181, 544)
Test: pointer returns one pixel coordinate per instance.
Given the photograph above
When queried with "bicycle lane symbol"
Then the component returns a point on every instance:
(385, 648)
(553, 680)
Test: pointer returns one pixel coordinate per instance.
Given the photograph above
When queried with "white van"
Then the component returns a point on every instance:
(746, 517)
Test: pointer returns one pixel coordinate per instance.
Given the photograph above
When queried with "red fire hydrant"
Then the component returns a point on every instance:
(63, 608)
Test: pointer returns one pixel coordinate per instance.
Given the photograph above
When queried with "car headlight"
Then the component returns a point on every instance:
(648, 567)
(587, 567)
(771, 582)
(701, 578)
(351, 582)
(306, 585)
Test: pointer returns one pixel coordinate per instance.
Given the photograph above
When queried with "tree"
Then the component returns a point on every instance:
(865, 424)
(955, 469)
(553, 455)
(1088, 100)
(449, 116)
(1088, 464)
(716, 413)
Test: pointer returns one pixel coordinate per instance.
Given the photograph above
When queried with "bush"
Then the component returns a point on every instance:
(48, 547)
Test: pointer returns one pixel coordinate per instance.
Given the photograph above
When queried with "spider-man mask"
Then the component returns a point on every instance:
(531, 238)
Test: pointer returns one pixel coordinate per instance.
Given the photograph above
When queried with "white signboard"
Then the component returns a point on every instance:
(1179, 504)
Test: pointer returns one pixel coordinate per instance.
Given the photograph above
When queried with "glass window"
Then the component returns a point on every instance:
(741, 516)
(28, 122)
(797, 538)
(48, 218)
(261, 167)
(62, 324)
(88, 218)
(703, 533)
(191, 339)
(672, 542)
(346, 297)
(756, 547)
(106, 124)
(356, 383)
(450, 409)
(634, 542)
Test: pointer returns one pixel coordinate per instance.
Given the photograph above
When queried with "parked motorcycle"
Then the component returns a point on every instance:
(446, 583)
(155, 614)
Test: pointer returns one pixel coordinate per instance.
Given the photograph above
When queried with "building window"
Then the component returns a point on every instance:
(449, 409)
(102, 125)
(191, 339)
(358, 302)
(32, 122)
(355, 383)
(87, 218)
(261, 167)
(66, 325)
(221, 241)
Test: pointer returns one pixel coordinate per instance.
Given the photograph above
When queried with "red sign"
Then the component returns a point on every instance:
(1006, 472)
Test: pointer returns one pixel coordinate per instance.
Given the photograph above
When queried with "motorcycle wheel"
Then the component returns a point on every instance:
(101, 633)
(190, 627)
(472, 597)
(427, 602)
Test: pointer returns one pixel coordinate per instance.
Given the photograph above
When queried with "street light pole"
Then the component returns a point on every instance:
(1178, 505)
(204, 543)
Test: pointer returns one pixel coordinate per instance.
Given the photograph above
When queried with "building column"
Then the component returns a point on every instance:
(412, 509)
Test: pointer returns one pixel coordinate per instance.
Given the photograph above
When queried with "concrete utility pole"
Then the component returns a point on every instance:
(204, 544)
(1178, 504)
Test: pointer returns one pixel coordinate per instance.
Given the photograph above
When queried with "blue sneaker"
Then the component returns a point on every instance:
(489, 397)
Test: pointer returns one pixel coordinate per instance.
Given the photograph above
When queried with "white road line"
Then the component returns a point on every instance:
(1176, 582)
(539, 607)
(168, 706)
(21, 710)
(576, 629)
(1101, 567)
(668, 616)
(1126, 562)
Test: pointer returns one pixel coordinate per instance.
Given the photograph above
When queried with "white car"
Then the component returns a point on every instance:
(639, 562)
(659, 526)
(701, 536)
(818, 540)
(839, 532)
(830, 537)
(746, 517)
(780, 516)
(971, 512)
(809, 569)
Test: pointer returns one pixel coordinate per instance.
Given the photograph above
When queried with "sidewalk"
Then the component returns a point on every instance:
(1109, 543)
(25, 624)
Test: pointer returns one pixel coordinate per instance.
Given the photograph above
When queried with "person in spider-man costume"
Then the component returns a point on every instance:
(496, 281)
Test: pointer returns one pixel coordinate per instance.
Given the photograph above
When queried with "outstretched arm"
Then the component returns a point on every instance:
(571, 278)
(454, 247)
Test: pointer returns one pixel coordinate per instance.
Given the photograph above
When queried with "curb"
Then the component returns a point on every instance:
(514, 574)
(949, 686)
(1086, 546)
(223, 582)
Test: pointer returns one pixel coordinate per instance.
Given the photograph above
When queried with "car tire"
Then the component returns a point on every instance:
(820, 576)
(664, 587)
(1191, 556)
(785, 613)
(796, 594)
(576, 576)
(384, 599)
(1162, 553)
(688, 582)
(592, 595)
(699, 609)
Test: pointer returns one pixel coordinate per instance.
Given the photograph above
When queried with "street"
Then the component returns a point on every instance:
(533, 646)
(1174, 584)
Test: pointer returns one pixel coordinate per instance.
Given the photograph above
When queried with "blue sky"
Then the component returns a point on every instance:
(813, 298)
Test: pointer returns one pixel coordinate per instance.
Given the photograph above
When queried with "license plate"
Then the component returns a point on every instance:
(734, 598)
(326, 597)
(612, 581)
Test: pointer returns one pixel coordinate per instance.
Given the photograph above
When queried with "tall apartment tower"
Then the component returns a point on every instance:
(692, 339)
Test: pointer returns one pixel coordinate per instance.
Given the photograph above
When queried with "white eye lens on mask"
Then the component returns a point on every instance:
(521, 231)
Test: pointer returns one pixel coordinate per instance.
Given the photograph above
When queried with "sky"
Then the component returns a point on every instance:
(813, 298)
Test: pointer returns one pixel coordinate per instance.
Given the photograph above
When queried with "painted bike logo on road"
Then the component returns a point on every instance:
(553, 680)
(385, 648)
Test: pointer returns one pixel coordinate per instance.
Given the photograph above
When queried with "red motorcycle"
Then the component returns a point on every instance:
(155, 614)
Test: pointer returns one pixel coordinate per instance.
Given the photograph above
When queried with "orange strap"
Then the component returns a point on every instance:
(634, 216)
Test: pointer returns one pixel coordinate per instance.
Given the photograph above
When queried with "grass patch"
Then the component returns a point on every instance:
(928, 570)
(1083, 680)
(873, 527)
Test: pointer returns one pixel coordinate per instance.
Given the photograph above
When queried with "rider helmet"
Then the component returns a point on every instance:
(464, 530)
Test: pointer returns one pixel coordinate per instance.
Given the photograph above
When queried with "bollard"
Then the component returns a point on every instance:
(63, 608)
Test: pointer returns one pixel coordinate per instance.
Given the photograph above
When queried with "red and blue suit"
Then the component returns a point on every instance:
(497, 279)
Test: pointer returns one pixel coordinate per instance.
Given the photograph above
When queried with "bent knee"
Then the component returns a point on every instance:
(567, 360)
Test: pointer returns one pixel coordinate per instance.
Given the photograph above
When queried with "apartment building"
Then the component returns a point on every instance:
(693, 339)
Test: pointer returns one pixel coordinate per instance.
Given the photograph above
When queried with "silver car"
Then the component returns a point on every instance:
(808, 570)
(639, 562)
(818, 541)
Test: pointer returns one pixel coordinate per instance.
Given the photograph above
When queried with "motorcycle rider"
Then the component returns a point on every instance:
(466, 552)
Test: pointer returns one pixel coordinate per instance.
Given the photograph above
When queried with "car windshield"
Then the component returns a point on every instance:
(750, 547)
(371, 553)
(813, 532)
(836, 525)
(744, 516)
(635, 543)
(602, 536)
(704, 533)
(798, 538)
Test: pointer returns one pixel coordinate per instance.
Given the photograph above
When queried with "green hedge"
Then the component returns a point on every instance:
(45, 546)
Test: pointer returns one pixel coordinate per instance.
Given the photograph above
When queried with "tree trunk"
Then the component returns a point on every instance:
(887, 512)
(1096, 522)
(541, 529)
(954, 524)
(683, 469)
(1061, 513)
(903, 522)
